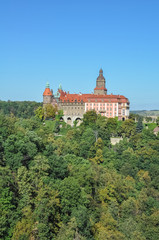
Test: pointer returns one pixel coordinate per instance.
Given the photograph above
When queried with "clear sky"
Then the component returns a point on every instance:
(68, 41)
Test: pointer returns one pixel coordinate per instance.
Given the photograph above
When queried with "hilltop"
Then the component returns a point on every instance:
(146, 113)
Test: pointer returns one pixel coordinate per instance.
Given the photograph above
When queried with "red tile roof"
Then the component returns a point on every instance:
(67, 97)
(47, 92)
(101, 88)
(156, 129)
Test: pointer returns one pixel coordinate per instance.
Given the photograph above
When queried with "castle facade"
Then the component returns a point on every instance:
(75, 105)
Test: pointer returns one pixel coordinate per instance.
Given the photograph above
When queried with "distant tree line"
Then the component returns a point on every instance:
(23, 109)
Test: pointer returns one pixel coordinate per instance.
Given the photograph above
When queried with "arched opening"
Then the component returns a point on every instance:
(69, 121)
(61, 119)
(78, 120)
(123, 119)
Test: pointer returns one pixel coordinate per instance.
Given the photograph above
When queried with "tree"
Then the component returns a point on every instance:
(47, 212)
(129, 208)
(39, 113)
(148, 119)
(6, 212)
(50, 111)
(107, 228)
(1, 152)
(89, 118)
(157, 121)
(58, 167)
(139, 126)
(19, 109)
(20, 149)
(70, 195)
(112, 124)
(128, 128)
(69, 231)
(57, 127)
(132, 116)
(150, 226)
(24, 227)
(7, 125)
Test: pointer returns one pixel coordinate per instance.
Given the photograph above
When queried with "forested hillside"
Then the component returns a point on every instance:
(69, 183)
(24, 109)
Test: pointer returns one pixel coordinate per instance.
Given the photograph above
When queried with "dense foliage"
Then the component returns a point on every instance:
(24, 109)
(66, 183)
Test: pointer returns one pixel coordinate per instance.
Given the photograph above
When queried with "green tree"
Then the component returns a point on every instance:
(57, 127)
(139, 126)
(47, 212)
(39, 113)
(157, 121)
(89, 118)
(69, 231)
(70, 195)
(58, 167)
(107, 228)
(50, 111)
(1, 152)
(7, 208)
(128, 128)
(25, 227)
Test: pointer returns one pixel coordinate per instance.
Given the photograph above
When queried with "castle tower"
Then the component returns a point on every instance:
(47, 95)
(100, 88)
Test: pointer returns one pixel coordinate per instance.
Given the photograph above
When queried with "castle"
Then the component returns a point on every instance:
(75, 105)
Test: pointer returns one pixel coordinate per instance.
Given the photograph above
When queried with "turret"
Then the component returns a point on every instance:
(47, 95)
(100, 88)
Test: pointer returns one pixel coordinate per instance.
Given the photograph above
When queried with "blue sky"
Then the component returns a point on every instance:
(67, 42)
